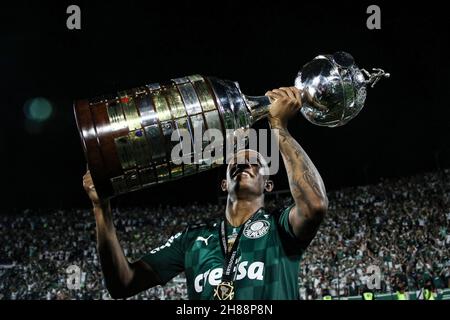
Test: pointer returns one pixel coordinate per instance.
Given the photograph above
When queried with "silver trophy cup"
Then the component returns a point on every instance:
(334, 88)
(128, 136)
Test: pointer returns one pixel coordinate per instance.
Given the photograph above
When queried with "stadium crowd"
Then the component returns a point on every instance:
(401, 226)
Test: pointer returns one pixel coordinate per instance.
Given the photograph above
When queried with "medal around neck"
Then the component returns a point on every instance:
(224, 291)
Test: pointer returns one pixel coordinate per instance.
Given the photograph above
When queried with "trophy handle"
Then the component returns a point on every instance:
(375, 76)
(259, 105)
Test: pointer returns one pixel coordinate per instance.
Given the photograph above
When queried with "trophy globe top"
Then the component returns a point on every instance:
(334, 89)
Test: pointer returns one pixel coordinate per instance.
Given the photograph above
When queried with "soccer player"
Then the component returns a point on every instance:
(250, 253)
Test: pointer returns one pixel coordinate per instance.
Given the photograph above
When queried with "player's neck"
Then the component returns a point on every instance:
(238, 211)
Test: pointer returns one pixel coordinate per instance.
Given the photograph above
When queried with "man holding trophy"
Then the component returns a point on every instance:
(269, 246)
(249, 253)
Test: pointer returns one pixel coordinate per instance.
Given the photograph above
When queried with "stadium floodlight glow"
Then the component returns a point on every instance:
(38, 109)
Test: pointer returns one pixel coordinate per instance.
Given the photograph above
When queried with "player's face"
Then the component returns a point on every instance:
(245, 174)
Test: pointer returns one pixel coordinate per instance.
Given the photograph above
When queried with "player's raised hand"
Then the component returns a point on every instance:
(286, 102)
(89, 187)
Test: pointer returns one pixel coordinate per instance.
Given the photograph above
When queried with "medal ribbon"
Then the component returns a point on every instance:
(231, 256)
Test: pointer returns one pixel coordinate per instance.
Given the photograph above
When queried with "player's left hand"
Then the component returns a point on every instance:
(286, 102)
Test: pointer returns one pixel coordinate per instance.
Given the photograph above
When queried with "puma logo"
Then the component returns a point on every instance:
(199, 238)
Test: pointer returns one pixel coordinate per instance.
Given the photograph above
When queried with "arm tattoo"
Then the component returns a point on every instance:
(312, 182)
(304, 180)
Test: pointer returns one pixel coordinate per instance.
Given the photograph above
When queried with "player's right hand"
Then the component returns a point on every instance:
(285, 104)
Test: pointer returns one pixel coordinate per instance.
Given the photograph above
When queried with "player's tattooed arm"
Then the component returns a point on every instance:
(306, 185)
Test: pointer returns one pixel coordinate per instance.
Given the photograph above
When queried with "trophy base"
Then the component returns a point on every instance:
(128, 139)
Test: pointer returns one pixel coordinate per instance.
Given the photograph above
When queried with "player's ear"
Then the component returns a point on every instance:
(224, 185)
(268, 186)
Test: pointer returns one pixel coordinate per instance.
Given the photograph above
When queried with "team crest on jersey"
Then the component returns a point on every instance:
(257, 229)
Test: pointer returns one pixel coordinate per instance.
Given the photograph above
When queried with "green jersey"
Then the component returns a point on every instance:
(267, 267)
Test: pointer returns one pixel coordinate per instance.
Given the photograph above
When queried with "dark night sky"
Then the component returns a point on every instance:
(260, 44)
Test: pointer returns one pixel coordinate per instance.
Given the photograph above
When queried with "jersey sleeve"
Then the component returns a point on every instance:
(288, 238)
(168, 260)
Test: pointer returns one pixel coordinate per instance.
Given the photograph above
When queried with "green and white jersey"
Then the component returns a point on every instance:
(267, 267)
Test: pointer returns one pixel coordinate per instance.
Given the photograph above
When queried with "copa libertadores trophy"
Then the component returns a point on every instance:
(127, 137)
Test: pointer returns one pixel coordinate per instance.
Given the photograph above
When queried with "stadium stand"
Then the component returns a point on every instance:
(399, 225)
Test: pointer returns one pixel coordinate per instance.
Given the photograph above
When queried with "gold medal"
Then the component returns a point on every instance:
(224, 291)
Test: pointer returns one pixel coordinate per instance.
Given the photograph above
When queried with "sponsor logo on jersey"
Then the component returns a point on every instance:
(254, 271)
(257, 229)
(167, 244)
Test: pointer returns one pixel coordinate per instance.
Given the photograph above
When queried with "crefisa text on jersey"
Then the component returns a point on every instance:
(226, 309)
